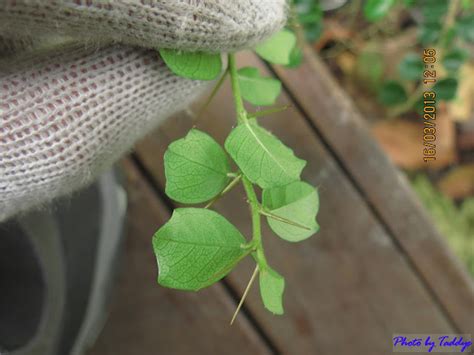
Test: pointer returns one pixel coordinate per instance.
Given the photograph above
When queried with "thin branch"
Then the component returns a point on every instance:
(268, 112)
(282, 219)
(247, 289)
(229, 187)
(211, 96)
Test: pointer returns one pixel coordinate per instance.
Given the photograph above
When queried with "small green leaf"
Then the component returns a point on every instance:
(196, 248)
(446, 89)
(392, 93)
(310, 17)
(272, 286)
(453, 60)
(256, 89)
(193, 65)
(429, 33)
(296, 58)
(297, 202)
(277, 49)
(434, 10)
(374, 10)
(262, 157)
(411, 67)
(196, 168)
(465, 27)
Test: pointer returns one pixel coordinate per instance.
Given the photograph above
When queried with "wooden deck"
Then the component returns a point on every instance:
(377, 266)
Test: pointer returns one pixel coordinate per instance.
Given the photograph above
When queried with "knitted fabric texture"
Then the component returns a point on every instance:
(68, 114)
(210, 25)
(64, 124)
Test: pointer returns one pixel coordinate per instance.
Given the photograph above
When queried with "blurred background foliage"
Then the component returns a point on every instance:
(375, 50)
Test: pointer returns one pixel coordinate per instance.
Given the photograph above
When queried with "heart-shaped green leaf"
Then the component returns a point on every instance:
(256, 89)
(193, 65)
(429, 33)
(411, 67)
(262, 157)
(272, 286)
(310, 16)
(376, 9)
(297, 202)
(296, 58)
(465, 27)
(277, 49)
(453, 60)
(196, 168)
(392, 93)
(434, 10)
(446, 89)
(196, 248)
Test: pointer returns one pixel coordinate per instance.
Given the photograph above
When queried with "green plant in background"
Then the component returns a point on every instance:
(447, 27)
(306, 21)
(198, 246)
(456, 223)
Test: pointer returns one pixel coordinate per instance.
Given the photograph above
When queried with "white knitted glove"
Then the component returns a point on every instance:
(66, 114)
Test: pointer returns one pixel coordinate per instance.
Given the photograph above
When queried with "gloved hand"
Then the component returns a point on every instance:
(68, 111)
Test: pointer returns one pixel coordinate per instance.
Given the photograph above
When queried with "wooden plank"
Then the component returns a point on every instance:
(348, 289)
(341, 126)
(148, 319)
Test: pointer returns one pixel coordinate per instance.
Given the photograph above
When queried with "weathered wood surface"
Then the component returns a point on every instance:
(389, 194)
(349, 288)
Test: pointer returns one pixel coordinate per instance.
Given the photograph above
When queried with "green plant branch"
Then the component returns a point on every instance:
(239, 103)
(249, 190)
(201, 224)
(256, 223)
(256, 242)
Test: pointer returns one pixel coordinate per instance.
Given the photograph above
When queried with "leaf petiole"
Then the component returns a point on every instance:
(281, 219)
(268, 112)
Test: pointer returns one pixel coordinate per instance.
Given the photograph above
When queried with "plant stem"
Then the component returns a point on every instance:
(256, 242)
(408, 104)
(256, 226)
(247, 289)
(239, 104)
(229, 187)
